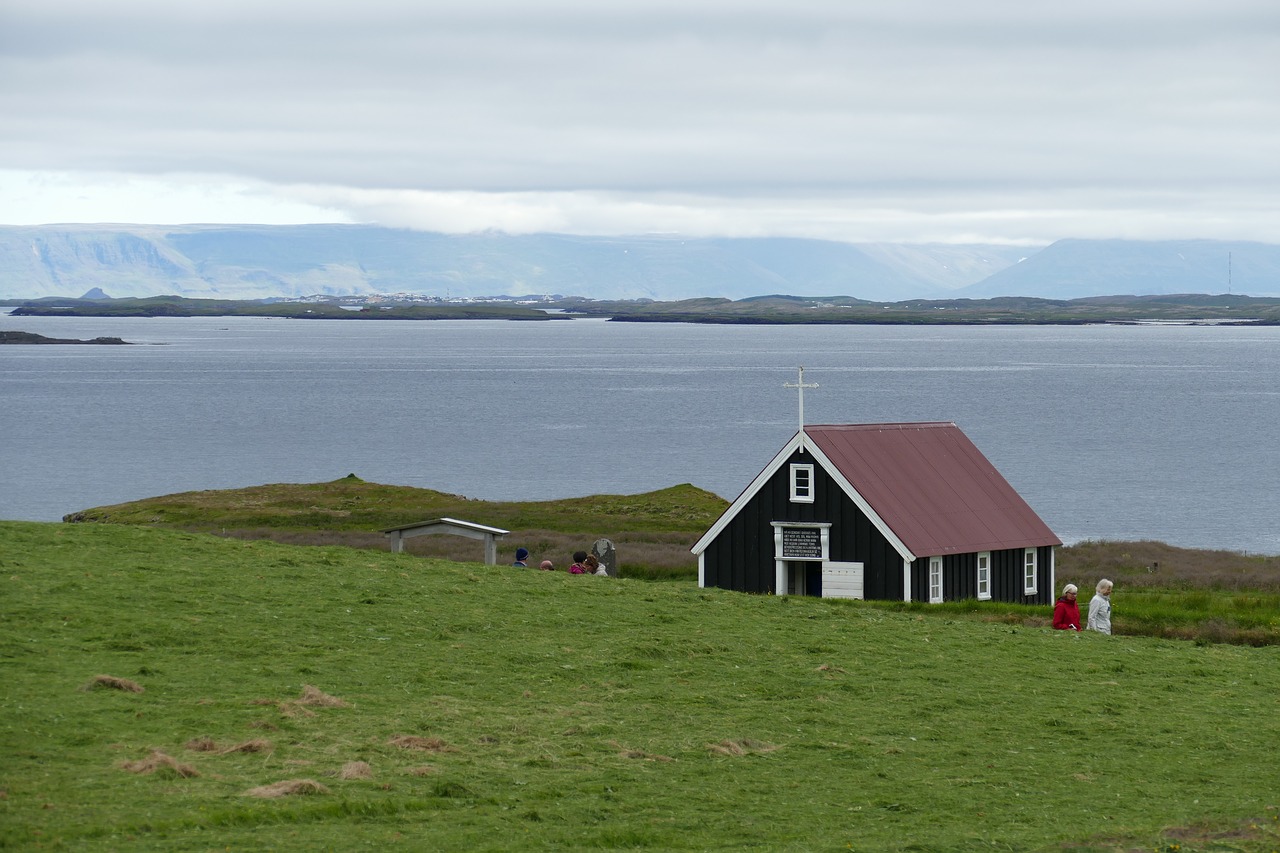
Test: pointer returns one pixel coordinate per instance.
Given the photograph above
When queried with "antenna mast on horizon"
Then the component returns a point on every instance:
(800, 385)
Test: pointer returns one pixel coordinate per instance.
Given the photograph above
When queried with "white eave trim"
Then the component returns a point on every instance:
(750, 491)
(796, 443)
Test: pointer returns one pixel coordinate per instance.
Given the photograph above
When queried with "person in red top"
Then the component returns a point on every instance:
(1066, 613)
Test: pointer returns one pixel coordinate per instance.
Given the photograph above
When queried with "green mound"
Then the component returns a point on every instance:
(350, 503)
(652, 531)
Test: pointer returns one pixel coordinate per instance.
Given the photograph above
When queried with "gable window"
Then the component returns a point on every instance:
(802, 484)
(935, 580)
(1029, 571)
(984, 576)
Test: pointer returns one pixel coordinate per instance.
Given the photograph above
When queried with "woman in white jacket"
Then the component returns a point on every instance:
(1100, 608)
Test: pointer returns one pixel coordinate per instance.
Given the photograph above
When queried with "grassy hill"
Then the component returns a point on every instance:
(427, 704)
(653, 531)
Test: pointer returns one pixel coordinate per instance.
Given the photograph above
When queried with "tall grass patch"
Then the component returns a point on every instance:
(1146, 564)
(1205, 616)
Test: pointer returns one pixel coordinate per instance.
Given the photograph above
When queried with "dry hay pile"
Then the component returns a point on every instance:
(746, 746)
(315, 697)
(201, 744)
(356, 770)
(628, 752)
(258, 745)
(429, 744)
(287, 788)
(158, 762)
(312, 697)
(110, 682)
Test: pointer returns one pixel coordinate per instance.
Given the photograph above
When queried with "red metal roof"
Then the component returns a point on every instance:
(932, 487)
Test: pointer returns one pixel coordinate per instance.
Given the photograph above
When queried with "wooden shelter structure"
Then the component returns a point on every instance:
(449, 526)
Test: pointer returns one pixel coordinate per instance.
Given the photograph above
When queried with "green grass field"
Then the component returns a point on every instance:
(492, 708)
(1162, 591)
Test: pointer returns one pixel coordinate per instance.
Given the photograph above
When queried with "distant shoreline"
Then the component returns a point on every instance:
(1180, 309)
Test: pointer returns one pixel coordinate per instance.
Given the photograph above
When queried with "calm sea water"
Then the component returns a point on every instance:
(1153, 432)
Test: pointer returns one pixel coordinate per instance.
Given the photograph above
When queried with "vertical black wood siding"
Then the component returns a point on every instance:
(960, 577)
(741, 557)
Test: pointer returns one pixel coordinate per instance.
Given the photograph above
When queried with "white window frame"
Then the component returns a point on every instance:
(935, 580)
(799, 496)
(984, 575)
(1030, 571)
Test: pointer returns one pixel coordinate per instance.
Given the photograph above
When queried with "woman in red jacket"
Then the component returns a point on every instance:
(1066, 613)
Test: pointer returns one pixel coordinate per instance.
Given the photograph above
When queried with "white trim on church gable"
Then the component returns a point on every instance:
(775, 464)
(749, 492)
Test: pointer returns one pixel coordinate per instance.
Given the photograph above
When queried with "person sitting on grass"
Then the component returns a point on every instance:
(522, 558)
(1066, 613)
(579, 557)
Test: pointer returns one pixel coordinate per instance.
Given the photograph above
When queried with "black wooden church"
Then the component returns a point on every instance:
(899, 511)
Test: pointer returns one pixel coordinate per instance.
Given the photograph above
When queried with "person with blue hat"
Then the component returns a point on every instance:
(522, 558)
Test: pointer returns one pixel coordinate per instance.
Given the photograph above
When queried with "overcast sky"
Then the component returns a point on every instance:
(899, 120)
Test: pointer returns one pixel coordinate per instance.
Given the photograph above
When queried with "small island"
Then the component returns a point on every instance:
(33, 338)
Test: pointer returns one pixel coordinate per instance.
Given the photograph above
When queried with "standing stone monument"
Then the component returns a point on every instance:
(608, 557)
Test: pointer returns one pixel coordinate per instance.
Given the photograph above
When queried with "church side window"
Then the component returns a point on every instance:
(1029, 571)
(935, 580)
(984, 576)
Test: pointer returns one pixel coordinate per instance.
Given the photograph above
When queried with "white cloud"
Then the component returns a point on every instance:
(35, 198)
(932, 214)
(920, 119)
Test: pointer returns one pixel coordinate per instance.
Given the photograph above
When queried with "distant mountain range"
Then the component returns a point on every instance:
(259, 261)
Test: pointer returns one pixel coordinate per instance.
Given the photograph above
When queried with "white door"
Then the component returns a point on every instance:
(842, 580)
